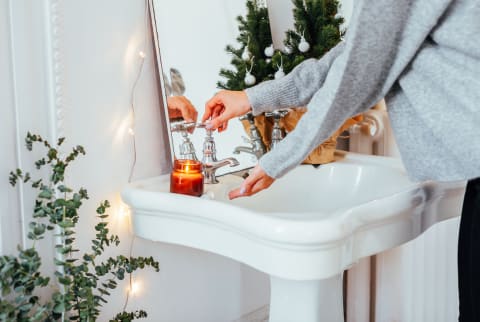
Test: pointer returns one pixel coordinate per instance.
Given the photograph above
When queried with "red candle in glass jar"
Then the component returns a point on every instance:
(187, 177)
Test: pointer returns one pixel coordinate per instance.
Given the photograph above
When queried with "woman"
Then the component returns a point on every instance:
(424, 58)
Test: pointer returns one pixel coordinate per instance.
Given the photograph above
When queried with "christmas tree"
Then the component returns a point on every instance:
(317, 30)
(250, 62)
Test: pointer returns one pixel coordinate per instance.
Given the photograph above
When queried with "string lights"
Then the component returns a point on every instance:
(134, 287)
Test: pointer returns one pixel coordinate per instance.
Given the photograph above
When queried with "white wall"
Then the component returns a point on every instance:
(71, 73)
(24, 98)
(10, 231)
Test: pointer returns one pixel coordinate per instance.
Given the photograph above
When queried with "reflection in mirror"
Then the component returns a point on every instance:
(192, 36)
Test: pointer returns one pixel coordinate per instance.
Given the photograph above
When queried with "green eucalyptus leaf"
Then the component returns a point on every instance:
(59, 308)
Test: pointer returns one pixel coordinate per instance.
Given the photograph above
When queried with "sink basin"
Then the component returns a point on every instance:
(305, 229)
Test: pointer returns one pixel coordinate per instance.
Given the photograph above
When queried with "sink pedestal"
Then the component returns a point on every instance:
(306, 301)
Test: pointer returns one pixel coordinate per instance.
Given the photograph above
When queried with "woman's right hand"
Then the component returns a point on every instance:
(224, 106)
(180, 106)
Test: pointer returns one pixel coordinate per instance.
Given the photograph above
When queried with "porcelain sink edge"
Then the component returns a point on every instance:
(277, 229)
(273, 226)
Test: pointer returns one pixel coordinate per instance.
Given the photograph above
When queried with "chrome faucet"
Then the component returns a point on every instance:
(277, 132)
(210, 168)
(210, 162)
(187, 150)
(257, 147)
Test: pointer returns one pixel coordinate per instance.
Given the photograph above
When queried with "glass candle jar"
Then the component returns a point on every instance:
(187, 177)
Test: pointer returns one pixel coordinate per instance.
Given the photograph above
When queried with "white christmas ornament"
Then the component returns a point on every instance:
(303, 46)
(249, 79)
(280, 73)
(269, 51)
(246, 54)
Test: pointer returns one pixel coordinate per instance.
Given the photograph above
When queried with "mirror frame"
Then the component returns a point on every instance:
(161, 82)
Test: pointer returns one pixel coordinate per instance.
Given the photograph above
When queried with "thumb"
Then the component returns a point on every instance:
(217, 122)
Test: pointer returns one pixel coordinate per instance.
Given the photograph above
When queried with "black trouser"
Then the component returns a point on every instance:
(469, 255)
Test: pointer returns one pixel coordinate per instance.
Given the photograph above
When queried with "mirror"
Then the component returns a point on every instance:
(191, 37)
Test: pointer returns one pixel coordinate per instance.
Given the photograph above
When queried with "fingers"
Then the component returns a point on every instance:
(212, 105)
(223, 127)
(220, 122)
(181, 106)
(224, 106)
(254, 183)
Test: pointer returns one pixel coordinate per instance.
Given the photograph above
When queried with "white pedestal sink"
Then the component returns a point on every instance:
(304, 230)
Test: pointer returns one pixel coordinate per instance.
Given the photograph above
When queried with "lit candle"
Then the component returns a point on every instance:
(187, 177)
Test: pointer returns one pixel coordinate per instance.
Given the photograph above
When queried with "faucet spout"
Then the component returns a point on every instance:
(245, 149)
(209, 169)
(251, 150)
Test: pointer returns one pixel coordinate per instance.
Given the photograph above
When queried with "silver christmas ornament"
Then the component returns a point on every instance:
(269, 51)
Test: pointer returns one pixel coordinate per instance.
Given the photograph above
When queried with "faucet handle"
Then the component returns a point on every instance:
(277, 114)
(246, 139)
(185, 126)
(249, 117)
(181, 126)
(277, 132)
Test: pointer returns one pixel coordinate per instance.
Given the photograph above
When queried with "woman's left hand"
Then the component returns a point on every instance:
(257, 181)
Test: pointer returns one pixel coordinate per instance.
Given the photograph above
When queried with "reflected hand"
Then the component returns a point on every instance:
(180, 106)
(257, 181)
(224, 106)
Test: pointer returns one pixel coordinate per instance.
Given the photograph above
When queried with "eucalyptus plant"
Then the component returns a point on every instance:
(83, 280)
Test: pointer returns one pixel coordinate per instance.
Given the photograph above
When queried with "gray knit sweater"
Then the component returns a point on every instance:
(423, 56)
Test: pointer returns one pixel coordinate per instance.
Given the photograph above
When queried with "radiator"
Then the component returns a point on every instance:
(416, 282)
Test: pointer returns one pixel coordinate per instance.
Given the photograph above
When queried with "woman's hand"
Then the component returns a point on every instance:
(257, 181)
(224, 106)
(180, 106)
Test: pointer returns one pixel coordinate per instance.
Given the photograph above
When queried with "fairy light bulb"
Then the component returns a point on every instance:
(142, 54)
(131, 131)
(135, 288)
(123, 211)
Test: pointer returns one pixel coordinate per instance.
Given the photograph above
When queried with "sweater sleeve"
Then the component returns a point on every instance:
(380, 43)
(284, 92)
